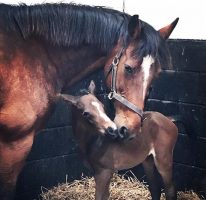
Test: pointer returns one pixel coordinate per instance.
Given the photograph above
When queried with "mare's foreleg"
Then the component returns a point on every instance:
(164, 164)
(102, 181)
(12, 159)
(152, 177)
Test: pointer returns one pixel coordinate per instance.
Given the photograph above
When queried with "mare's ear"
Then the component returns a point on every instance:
(134, 27)
(69, 98)
(167, 30)
(92, 87)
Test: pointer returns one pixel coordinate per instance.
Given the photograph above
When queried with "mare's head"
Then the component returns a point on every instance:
(92, 110)
(138, 61)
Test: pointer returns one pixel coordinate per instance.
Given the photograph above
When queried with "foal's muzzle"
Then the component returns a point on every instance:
(121, 134)
(111, 133)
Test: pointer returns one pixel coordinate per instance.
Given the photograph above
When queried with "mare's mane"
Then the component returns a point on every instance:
(72, 25)
(68, 24)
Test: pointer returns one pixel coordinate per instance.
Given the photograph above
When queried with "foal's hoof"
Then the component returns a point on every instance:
(111, 133)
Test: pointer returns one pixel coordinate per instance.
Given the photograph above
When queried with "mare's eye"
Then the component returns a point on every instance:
(86, 114)
(128, 69)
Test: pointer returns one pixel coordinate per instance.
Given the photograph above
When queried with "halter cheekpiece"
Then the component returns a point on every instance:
(113, 94)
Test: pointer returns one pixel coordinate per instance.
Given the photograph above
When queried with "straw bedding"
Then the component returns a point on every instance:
(121, 188)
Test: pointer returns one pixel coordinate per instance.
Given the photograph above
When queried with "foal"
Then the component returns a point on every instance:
(152, 146)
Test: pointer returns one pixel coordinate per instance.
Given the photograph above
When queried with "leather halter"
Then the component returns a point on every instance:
(113, 94)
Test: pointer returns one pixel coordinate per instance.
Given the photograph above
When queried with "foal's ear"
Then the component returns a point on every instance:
(92, 87)
(167, 30)
(69, 98)
(134, 27)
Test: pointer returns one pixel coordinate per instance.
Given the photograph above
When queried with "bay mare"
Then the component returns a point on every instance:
(45, 48)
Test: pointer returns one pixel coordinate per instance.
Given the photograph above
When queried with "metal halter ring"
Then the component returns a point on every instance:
(115, 61)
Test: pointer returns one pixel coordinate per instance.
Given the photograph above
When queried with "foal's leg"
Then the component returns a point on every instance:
(164, 162)
(102, 181)
(12, 159)
(152, 177)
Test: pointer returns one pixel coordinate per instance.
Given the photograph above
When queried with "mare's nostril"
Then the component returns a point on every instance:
(123, 132)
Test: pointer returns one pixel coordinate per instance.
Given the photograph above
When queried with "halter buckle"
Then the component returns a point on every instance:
(111, 95)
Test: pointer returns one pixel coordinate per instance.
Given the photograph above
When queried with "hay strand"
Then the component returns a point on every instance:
(122, 187)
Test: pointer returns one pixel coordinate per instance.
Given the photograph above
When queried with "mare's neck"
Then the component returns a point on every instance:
(73, 64)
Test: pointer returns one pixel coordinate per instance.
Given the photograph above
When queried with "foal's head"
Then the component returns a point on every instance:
(140, 61)
(93, 111)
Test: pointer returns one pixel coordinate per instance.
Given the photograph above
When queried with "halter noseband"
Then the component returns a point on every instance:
(113, 94)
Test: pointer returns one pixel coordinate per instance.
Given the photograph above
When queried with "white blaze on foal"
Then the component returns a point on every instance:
(152, 152)
(146, 65)
(102, 114)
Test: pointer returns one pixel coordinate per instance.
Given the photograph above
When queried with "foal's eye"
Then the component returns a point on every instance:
(128, 69)
(86, 114)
